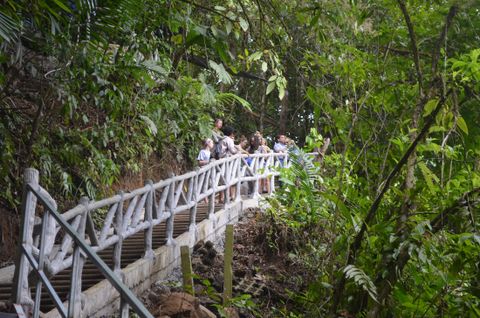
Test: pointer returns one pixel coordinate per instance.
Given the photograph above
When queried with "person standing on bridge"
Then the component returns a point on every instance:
(227, 144)
(205, 154)
(281, 147)
(264, 149)
(228, 148)
(217, 133)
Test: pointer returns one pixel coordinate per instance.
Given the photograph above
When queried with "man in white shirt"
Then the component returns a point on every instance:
(280, 147)
(228, 143)
(228, 149)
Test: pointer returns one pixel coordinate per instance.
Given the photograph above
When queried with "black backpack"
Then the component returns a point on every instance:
(218, 152)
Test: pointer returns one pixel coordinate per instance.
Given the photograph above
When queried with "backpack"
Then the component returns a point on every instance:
(219, 151)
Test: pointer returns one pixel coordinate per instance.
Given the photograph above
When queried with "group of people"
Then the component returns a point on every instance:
(222, 144)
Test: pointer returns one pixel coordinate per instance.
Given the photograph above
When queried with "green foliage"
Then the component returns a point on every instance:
(89, 92)
(242, 303)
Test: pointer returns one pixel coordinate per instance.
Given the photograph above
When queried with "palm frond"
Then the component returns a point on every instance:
(9, 28)
(230, 98)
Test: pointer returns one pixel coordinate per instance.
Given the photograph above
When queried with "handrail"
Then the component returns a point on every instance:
(81, 245)
(126, 214)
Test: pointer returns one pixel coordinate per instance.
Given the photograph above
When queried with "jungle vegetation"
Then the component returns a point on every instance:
(387, 223)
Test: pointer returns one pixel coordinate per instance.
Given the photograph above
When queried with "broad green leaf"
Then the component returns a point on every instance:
(281, 92)
(429, 176)
(243, 24)
(462, 125)
(228, 27)
(272, 78)
(264, 67)
(270, 87)
(429, 107)
(255, 56)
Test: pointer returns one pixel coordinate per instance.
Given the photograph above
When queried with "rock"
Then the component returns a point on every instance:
(207, 260)
(231, 312)
(161, 288)
(202, 251)
(198, 245)
(208, 245)
(212, 253)
(181, 305)
(154, 297)
(207, 313)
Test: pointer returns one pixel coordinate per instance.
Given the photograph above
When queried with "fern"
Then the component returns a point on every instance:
(230, 98)
(222, 73)
(361, 279)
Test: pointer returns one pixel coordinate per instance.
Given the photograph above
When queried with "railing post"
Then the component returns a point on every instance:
(271, 167)
(239, 183)
(193, 210)
(75, 296)
(255, 193)
(41, 263)
(226, 177)
(211, 201)
(170, 220)
(21, 292)
(90, 229)
(149, 218)
(117, 251)
(124, 308)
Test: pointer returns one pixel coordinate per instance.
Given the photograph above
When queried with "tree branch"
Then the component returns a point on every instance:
(355, 245)
(436, 48)
(395, 267)
(413, 43)
(465, 201)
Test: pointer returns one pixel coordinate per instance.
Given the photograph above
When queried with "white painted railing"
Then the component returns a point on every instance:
(126, 214)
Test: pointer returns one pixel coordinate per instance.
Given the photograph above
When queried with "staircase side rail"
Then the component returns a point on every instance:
(84, 249)
(135, 211)
(167, 206)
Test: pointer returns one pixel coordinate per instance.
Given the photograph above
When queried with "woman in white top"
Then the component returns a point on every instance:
(204, 155)
(263, 149)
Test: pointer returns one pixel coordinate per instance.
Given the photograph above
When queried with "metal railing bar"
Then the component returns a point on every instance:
(125, 293)
(41, 262)
(51, 291)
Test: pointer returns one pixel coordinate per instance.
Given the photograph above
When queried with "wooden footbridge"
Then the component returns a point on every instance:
(66, 258)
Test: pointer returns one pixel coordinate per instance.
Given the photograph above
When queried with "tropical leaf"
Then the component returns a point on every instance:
(9, 28)
(222, 73)
(230, 98)
(361, 279)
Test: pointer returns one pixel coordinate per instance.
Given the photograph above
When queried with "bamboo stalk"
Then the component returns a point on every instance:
(228, 258)
(187, 270)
